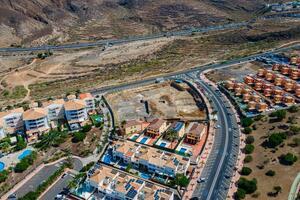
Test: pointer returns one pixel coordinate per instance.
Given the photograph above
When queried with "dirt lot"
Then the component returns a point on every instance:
(237, 72)
(285, 175)
(164, 101)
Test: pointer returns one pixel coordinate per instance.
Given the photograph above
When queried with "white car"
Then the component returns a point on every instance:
(200, 180)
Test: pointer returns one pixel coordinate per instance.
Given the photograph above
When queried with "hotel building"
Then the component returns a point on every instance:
(11, 122)
(76, 113)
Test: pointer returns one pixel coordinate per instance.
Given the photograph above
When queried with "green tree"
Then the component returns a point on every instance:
(249, 139)
(246, 122)
(249, 148)
(249, 186)
(246, 171)
(270, 173)
(279, 114)
(276, 139)
(53, 138)
(248, 159)
(78, 137)
(3, 175)
(171, 135)
(288, 159)
(21, 144)
(86, 128)
(181, 180)
(247, 130)
(240, 194)
(277, 189)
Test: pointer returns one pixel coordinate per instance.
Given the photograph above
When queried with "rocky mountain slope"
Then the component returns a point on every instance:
(32, 22)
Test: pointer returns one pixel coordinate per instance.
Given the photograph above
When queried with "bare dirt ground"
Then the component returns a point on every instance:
(237, 72)
(164, 101)
(285, 175)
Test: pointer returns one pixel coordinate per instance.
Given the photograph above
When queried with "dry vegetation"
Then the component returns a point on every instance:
(265, 159)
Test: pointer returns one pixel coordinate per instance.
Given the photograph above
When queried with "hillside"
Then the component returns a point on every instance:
(33, 22)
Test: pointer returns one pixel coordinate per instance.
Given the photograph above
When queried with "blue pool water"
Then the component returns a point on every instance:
(182, 150)
(98, 119)
(135, 137)
(145, 176)
(163, 144)
(144, 140)
(2, 166)
(24, 154)
(107, 159)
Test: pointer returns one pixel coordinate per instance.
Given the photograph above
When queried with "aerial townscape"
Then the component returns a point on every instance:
(149, 100)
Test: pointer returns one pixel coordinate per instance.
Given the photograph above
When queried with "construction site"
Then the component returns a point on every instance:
(167, 100)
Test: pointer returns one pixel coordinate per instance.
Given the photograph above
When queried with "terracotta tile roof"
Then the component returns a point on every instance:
(156, 124)
(196, 129)
(74, 105)
(17, 110)
(34, 113)
(85, 96)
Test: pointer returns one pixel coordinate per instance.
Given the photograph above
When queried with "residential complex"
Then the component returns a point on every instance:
(76, 113)
(134, 126)
(36, 123)
(11, 122)
(194, 132)
(156, 127)
(38, 120)
(150, 159)
(88, 100)
(114, 184)
(178, 127)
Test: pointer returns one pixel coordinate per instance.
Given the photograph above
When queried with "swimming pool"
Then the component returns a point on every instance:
(163, 144)
(182, 150)
(134, 137)
(145, 176)
(144, 140)
(107, 159)
(2, 165)
(25, 153)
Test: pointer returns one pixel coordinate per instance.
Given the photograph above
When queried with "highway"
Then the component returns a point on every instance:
(128, 39)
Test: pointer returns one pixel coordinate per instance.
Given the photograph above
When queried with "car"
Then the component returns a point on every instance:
(63, 176)
(200, 180)
(217, 126)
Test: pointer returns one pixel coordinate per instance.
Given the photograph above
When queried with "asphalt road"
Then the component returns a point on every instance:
(36, 180)
(221, 162)
(57, 187)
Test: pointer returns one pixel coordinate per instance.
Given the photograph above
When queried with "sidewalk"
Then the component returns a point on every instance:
(203, 156)
(241, 155)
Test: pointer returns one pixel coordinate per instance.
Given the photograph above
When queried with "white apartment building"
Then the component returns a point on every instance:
(89, 101)
(11, 122)
(76, 113)
(36, 123)
(55, 109)
(114, 184)
(151, 159)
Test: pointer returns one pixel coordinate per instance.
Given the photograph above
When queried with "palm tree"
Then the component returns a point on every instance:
(171, 135)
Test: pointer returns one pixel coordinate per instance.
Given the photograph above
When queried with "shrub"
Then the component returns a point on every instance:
(86, 128)
(293, 109)
(181, 180)
(294, 129)
(3, 175)
(249, 186)
(249, 139)
(249, 148)
(240, 194)
(270, 173)
(247, 130)
(25, 163)
(258, 117)
(78, 137)
(246, 122)
(279, 114)
(288, 159)
(246, 171)
(276, 139)
(87, 167)
(248, 159)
